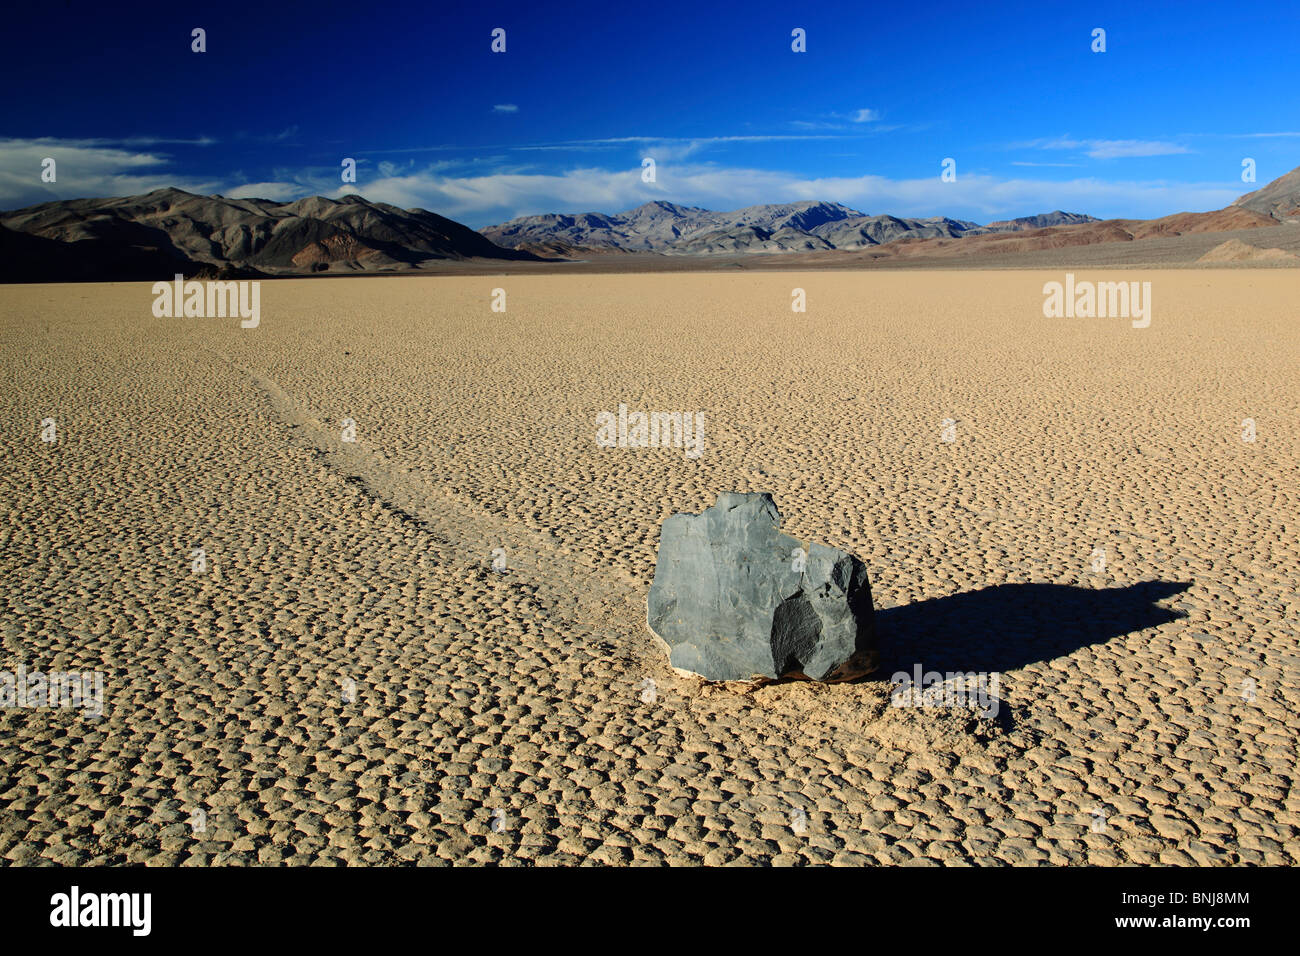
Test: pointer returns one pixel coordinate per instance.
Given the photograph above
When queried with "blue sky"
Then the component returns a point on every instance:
(560, 122)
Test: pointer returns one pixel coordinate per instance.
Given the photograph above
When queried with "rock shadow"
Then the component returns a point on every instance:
(1008, 626)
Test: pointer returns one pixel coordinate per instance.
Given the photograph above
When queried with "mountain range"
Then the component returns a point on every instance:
(669, 229)
(170, 231)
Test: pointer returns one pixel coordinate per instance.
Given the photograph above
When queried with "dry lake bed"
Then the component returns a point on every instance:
(361, 585)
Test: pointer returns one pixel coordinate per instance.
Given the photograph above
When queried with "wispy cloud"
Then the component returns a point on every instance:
(490, 189)
(505, 108)
(1057, 165)
(128, 142)
(839, 120)
(705, 140)
(485, 199)
(156, 141)
(86, 168)
(278, 192)
(664, 148)
(816, 124)
(680, 145)
(1111, 148)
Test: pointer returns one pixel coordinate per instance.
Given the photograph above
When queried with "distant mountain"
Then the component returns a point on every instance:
(1009, 244)
(1043, 221)
(644, 229)
(1280, 199)
(669, 229)
(169, 230)
(823, 229)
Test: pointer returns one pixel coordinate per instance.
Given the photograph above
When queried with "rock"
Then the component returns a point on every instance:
(735, 599)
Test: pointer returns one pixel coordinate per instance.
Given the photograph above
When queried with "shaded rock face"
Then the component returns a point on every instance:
(1280, 199)
(735, 599)
(167, 231)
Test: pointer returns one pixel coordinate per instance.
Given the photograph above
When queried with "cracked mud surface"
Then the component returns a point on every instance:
(350, 680)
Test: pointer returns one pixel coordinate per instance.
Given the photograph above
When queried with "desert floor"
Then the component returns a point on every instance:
(350, 680)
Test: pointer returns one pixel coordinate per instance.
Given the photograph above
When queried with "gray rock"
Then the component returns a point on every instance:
(735, 599)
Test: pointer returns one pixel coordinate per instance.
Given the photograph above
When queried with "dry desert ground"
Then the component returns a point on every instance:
(1069, 504)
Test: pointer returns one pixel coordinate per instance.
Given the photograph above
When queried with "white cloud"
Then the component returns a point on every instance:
(480, 199)
(85, 168)
(277, 192)
(675, 140)
(141, 141)
(815, 124)
(866, 116)
(483, 200)
(505, 108)
(1114, 148)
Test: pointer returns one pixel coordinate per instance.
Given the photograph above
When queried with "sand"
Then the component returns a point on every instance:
(1234, 250)
(350, 680)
